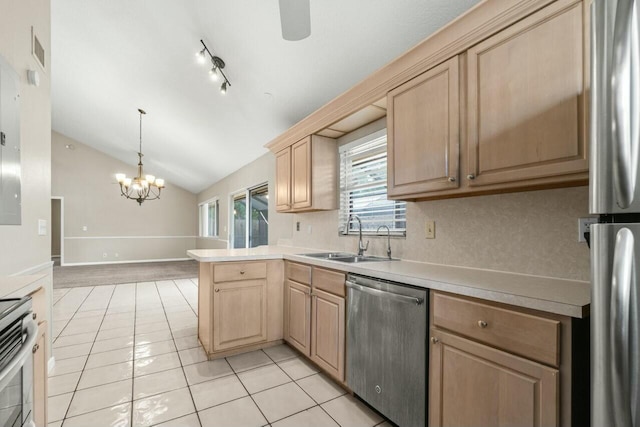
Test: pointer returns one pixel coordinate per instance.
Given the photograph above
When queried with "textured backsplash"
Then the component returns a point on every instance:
(532, 232)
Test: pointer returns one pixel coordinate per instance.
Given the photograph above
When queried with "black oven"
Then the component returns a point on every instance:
(18, 333)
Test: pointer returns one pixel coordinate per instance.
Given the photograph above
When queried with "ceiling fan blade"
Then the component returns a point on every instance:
(295, 18)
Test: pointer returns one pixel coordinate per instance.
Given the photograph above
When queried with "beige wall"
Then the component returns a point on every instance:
(85, 178)
(255, 173)
(22, 248)
(529, 232)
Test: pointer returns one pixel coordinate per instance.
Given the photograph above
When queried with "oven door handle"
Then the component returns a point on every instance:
(18, 360)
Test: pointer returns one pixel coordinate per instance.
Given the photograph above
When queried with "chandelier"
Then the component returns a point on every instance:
(142, 187)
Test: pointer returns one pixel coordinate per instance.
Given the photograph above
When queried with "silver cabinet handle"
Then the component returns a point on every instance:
(217, 290)
(482, 324)
(451, 179)
(471, 176)
(434, 340)
(384, 294)
(242, 272)
(18, 360)
(621, 282)
(624, 102)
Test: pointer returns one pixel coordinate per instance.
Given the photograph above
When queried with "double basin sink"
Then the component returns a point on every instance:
(347, 257)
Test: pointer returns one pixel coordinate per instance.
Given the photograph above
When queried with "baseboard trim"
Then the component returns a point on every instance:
(127, 237)
(35, 269)
(72, 264)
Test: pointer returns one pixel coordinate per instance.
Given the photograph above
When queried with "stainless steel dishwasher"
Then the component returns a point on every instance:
(387, 347)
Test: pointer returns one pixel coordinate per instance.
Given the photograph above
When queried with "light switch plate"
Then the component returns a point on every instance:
(42, 227)
(583, 226)
(430, 230)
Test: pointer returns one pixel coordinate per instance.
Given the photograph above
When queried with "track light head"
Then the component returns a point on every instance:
(200, 56)
(223, 88)
(213, 73)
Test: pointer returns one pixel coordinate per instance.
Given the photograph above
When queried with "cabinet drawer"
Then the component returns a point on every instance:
(232, 271)
(530, 336)
(330, 281)
(299, 273)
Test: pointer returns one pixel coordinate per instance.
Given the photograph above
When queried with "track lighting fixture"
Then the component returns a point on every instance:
(217, 64)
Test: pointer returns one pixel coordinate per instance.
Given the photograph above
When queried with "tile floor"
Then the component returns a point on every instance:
(128, 355)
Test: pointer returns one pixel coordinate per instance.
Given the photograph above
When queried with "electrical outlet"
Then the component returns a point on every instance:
(309, 229)
(430, 230)
(583, 226)
(84, 228)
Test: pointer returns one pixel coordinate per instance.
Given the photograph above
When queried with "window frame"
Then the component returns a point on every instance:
(246, 193)
(203, 219)
(342, 214)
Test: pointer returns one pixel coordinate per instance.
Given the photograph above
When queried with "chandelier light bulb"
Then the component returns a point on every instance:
(127, 182)
(223, 88)
(120, 177)
(160, 182)
(150, 179)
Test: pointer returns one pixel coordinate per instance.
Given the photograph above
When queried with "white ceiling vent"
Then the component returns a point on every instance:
(36, 49)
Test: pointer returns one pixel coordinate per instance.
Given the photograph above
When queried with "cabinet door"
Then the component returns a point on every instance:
(283, 180)
(301, 174)
(328, 333)
(297, 321)
(423, 122)
(40, 376)
(526, 100)
(239, 313)
(475, 385)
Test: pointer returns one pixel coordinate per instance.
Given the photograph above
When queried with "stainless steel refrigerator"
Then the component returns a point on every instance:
(614, 186)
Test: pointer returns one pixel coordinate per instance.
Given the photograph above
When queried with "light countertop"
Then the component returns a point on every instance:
(19, 286)
(553, 295)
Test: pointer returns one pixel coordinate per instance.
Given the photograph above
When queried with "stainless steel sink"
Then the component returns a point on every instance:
(347, 257)
(330, 255)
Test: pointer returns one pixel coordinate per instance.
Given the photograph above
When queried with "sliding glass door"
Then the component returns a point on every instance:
(250, 217)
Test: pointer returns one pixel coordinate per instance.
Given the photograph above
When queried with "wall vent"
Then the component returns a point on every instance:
(37, 49)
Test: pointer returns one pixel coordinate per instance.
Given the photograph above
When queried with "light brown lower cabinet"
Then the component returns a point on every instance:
(472, 384)
(239, 313)
(239, 306)
(297, 321)
(40, 375)
(328, 332)
(314, 316)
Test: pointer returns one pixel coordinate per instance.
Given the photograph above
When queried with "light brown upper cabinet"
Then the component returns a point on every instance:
(306, 175)
(526, 104)
(423, 122)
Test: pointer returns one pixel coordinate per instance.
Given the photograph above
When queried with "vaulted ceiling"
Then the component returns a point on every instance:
(110, 58)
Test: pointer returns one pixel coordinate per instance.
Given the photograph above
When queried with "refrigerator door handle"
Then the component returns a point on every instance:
(623, 274)
(624, 101)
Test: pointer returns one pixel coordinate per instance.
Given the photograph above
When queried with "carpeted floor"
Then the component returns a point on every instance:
(112, 274)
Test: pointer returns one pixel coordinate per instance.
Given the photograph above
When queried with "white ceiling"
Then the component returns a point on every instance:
(110, 58)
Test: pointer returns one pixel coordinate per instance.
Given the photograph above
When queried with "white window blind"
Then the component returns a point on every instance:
(363, 187)
(209, 218)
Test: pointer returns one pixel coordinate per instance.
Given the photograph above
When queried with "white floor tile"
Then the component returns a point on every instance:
(152, 337)
(238, 413)
(154, 349)
(162, 407)
(282, 401)
(62, 384)
(280, 352)
(105, 375)
(298, 368)
(349, 412)
(160, 382)
(320, 388)
(67, 340)
(251, 360)
(57, 406)
(107, 334)
(67, 366)
(72, 351)
(111, 357)
(153, 364)
(115, 416)
(112, 344)
(221, 390)
(192, 355)
(100, 397)
(146, 328)
(262, 378)
(205, 371)
(187, 421)
(314, 417)
(187, 342)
